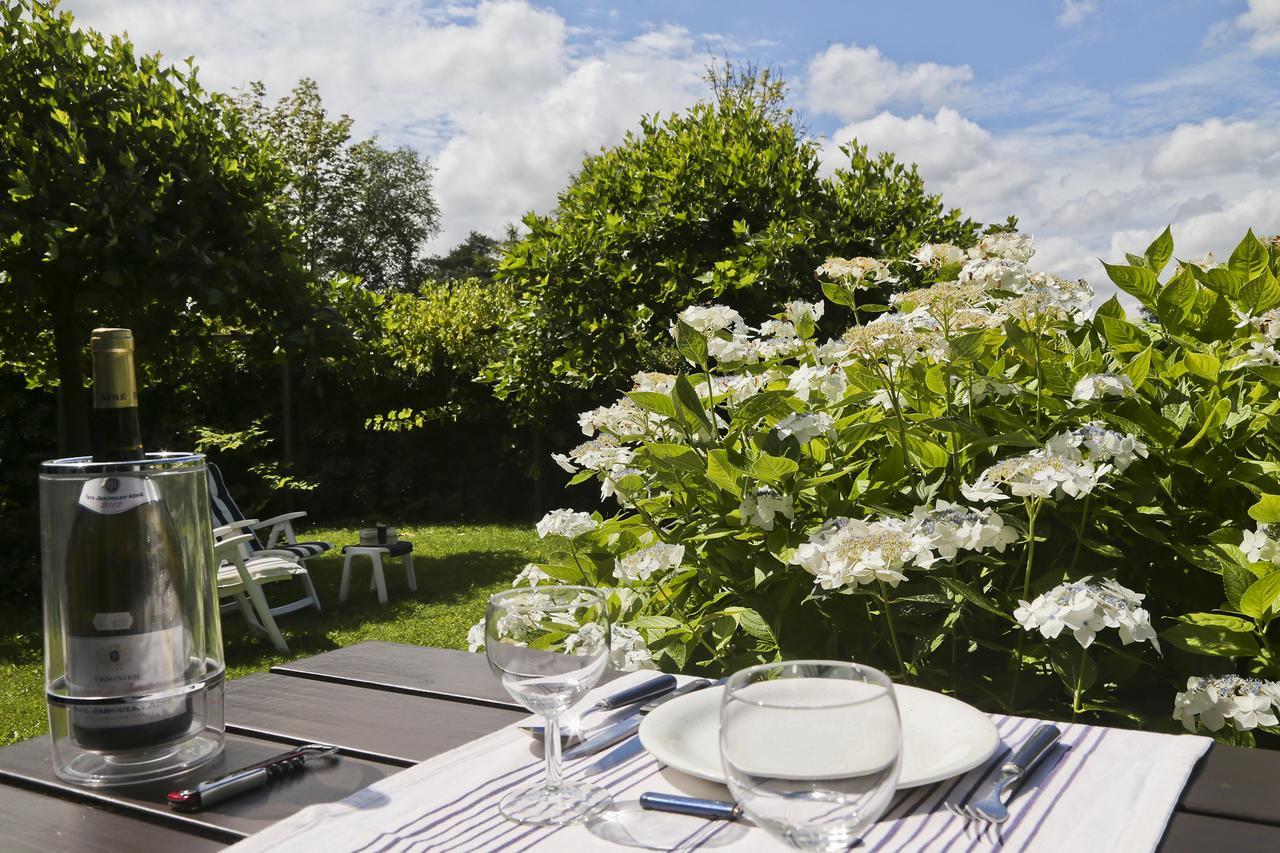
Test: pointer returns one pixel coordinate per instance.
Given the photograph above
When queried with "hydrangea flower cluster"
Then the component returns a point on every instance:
(1043, 473)
(1246, 702)
(1085, 608)
(761, 507)
(855, 272)
(1102, 445)
(565, 523)
(1262, 545)
(805, 427)
(643, 564)
(1097, 386)
(849, 552)
(951, 528)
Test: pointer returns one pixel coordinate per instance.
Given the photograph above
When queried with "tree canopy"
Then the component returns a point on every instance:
(725, 201)
(131, 196)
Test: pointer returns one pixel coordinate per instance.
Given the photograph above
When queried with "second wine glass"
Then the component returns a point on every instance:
(548, 646)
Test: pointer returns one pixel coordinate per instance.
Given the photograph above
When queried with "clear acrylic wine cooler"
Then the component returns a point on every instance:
(132, 638)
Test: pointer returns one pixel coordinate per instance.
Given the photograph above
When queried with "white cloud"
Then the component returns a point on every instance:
(1075, 11)
(1263, 20)
(498, 94)
(852, 82)
(1213, 147)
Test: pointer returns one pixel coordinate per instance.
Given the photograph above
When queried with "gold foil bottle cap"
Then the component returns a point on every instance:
(111, 339)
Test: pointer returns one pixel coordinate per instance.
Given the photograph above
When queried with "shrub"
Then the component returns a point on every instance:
(984, 491)
(722, 202)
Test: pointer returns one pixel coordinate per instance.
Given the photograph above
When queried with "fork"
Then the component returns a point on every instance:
(987, 806)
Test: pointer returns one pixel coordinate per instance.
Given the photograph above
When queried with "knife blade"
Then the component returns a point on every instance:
(630, 748)
(646, 690)
(628, 726)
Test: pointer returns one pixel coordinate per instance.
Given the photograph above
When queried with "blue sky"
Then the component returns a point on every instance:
(1097, 122)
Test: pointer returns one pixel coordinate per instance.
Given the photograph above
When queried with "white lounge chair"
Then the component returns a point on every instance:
(241, 576)
(281, 541)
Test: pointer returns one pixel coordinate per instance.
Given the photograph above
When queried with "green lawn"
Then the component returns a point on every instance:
(458, 566)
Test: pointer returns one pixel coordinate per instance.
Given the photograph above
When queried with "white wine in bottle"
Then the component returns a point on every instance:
(126, 635)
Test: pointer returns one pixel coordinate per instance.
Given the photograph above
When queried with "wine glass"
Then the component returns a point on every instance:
(549, 645)
(811, 749)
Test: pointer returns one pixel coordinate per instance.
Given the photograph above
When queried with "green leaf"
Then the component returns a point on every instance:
(1249, 258)
(1202, 364)
(1220, 620)
(1072, 667)
(1262, 596)
(1138, 282)
(687, 399)
(1266, 510)
(1214, 640)
(1160, 251)
(1177, 298)
(930, 454)
(771, 469)
(655, 402)
(691, 343)
(1235, 582)
(1219, 279)
(971, 595)
(1260, 294)
(724, 473)
(763, 405)
(1139, 367)
(837, 293)
(1111, 308)
(1119, 332)
(755, 625)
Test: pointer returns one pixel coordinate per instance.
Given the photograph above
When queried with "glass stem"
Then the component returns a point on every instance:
(551, 738)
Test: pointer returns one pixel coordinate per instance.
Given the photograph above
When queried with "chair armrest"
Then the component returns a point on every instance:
(280, 519)
(230, 544)
(244, 523)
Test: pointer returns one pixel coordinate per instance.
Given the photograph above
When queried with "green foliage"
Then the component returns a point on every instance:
(131, 197)
(802, 500)
(359, 209)
(724, 201)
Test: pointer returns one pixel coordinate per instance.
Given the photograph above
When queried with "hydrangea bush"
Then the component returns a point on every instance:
(981, 487)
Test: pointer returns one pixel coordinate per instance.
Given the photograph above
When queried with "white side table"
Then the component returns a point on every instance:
(375, 554)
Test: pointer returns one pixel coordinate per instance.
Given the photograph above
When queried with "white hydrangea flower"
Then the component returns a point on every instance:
(642, 564)
(525, 618)
(532, 575)
(759, 508)
(1010, 247)
(599, 454)
(611, 484)
(628, 651)
(829, 381)
(796, 311)
(733, 350)
(1260, 354)
(566, 523)
(938, 254)
(662, 383)
(855, 272)
(805, 427)
(1085, 608)
(588, 640)
(1102, 444)
(849, 552)
(1038, 474)
(1246, 702)
(475, 637)
(709, 319)
(1096, 386)
(1262, 545)
(951, 528)
(995, 274)
(883, 399)
(623, 418)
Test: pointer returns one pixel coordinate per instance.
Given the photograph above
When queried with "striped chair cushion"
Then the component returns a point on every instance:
(224, 506)
(303, 550)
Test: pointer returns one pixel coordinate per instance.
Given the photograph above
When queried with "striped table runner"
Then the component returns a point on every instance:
(1102, 789)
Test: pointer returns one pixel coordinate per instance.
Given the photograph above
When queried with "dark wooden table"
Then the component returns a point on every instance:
(388, 706)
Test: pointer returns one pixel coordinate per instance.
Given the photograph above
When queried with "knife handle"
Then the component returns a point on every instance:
(650, 688)
(679, 691)
(696, 806)
(1034, 749)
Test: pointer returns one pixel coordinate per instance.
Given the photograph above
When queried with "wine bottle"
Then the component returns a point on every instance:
(126, 635)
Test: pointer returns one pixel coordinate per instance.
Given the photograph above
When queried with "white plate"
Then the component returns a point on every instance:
(941, 737)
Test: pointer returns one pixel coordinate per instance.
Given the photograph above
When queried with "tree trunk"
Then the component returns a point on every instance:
(73, 402)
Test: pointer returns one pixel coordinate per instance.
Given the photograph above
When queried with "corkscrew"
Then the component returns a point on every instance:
(248, 778)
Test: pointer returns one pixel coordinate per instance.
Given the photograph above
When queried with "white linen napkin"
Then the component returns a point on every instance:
(1110, 789)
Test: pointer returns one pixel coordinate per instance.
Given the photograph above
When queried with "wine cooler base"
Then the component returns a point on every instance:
(98, 769)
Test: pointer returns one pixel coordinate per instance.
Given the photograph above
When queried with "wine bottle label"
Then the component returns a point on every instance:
(111, 495)
(128, 665)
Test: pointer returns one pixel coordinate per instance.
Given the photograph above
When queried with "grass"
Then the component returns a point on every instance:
(458, 567)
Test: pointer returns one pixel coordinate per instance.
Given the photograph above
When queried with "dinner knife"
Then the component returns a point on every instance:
(628, 726)
(630, 748)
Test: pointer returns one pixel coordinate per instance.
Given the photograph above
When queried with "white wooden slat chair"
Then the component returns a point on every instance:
(241, 576)
(281, 541)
